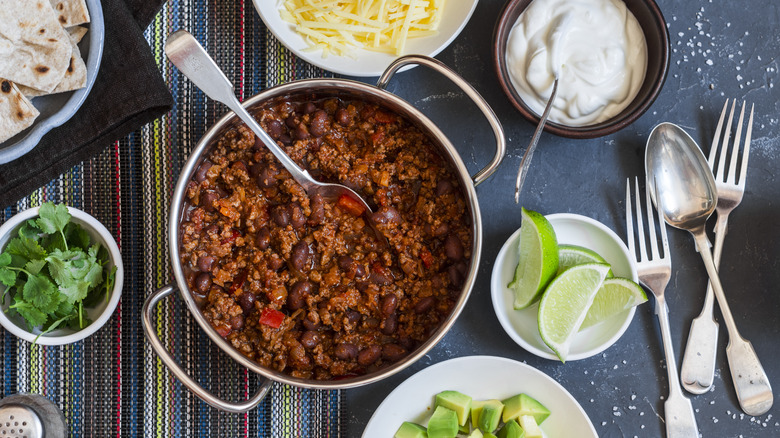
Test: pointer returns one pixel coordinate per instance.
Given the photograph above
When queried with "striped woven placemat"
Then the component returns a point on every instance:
(112, 384)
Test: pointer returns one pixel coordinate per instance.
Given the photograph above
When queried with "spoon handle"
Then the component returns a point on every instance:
(186, 53)
(750, 380)
(529, 151)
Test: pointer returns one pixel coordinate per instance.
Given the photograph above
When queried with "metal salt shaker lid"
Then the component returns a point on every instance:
(30, 416)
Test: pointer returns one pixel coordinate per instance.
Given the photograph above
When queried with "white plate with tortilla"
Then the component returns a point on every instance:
(482, 378)
(366, 63)
(41, 111)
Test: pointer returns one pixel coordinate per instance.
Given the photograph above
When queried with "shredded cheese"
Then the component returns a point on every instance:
(343, 26)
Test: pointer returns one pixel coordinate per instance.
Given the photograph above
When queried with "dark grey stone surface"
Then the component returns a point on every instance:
(721, 50)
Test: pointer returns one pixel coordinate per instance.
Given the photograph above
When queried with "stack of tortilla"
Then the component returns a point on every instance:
(38, 56)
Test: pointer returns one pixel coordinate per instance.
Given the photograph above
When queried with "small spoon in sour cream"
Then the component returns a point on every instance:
(529, 151)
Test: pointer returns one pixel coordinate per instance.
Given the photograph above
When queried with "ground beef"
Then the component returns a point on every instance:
(306, 285)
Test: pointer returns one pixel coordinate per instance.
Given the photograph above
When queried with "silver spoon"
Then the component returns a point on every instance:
(684, 183)
(188, 55)
(529, 151)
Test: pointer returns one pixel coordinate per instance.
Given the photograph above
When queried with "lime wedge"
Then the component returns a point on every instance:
(538, 261)
(566, 302)
(615, 295)
(573, 255)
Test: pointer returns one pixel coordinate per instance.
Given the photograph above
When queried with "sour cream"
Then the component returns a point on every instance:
(595, 48)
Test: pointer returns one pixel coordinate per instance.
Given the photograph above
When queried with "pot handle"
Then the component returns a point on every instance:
(179, 372)
(495, 124)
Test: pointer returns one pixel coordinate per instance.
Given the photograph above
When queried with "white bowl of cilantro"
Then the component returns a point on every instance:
(61, 275)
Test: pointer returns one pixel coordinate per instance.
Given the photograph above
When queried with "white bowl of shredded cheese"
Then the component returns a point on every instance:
(362, 38)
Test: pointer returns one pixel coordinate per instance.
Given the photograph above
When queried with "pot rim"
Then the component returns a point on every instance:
(326, 87)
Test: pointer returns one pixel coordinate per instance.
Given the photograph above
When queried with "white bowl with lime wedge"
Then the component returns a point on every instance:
(580, 236)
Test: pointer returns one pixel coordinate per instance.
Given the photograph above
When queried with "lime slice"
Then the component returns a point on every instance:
(615, 295)
(538, 261)
(566, 302)
(573, 255)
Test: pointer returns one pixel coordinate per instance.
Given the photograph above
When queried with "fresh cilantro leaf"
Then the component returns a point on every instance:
(30, 313)
(41, 292)
(7, 277)
(5, 259)
(75, 290)
(34, 266)
(52, 219)
(25, 247)
(76, 236)
(65, 308)
(30, 230)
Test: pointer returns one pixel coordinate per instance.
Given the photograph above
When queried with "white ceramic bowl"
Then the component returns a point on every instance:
(521, 325)
(99, 314)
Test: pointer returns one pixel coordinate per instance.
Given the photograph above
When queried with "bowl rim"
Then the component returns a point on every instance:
(497, 290)
(108, 241)
(504, 26)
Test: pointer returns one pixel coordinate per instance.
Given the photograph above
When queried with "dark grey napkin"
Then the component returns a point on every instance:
(128, 93)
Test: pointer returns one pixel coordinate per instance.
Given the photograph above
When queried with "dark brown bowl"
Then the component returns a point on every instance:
(653, 25)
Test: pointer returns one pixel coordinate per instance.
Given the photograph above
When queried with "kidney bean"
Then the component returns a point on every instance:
(343, 117)
(453, 247)
(319, 123)
(390, 324)
(263, 238)
(203, 282)
(317, 205)
(346, 351)
(205, 262)
(275, 129)
(297, 217)
(265, 176)
(457, 274)
(388, 304)
(200, 174)
(281, 214)
(285, 139)
(443, 187)
(301, 132)
(300, 257)
(309, 107)
(386, 215)
(369, 355)
(380, 275)
(393, 352)
(310, 339)
(299, 358)
(372, 322)
(345, 262)
(360, 271)
(290, 121)
(207, 200)
(275, 262)
(311, 325)
(237, 322)
(247, 302)
(296, 297)
(424, 305)
(353, 316)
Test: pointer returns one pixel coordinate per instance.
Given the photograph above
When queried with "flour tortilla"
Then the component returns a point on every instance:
(70, 12)
(75, 77)
(34, 48)
(16, 112)
(76, 33)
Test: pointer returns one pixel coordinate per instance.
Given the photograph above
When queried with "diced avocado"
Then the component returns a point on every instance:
(465, 429)
(522, 404)
(443, 423)
(476, 433)
(490, 416)
(511, 429)
(458, 402)
(528, 423)
(489, 435)
(476, 409)
(411, 430)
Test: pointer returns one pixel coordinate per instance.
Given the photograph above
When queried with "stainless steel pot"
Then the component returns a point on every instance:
(348, 90)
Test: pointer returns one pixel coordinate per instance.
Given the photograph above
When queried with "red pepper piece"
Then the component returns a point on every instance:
(426, 257)
(234, 233)
(238, 281)
(350, 205)
(271, 317)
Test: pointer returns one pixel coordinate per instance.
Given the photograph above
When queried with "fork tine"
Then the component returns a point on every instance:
(651, 222)
(746, 152)
(630, 221)
(661, 222)
(640, 227)
(719, 176)
(732, 176)
(716, 137)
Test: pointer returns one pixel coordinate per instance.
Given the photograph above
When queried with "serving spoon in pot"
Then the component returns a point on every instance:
(684, 183)
(186, 53)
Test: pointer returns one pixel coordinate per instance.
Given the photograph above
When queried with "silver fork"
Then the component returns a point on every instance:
(698, 364)
(654, 272)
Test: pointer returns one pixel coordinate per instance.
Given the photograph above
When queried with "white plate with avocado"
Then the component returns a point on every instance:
(482, 378)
